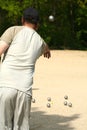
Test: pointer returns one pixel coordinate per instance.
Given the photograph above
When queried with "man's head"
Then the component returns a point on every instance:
(30, 15)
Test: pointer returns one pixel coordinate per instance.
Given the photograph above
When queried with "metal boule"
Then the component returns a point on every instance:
(70, 104)
(33, 100)
(49, 98)
(66, 97)
(48, 105)
(51, 18)
(65, 103)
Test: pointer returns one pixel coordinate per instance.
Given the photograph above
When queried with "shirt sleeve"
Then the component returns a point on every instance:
(7, 36)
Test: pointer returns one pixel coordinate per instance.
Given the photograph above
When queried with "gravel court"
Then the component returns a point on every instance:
(64, 74)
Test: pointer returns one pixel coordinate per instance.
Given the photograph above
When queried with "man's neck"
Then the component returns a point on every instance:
(30, 25)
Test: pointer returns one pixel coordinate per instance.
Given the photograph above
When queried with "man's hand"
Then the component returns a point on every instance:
(47, 53)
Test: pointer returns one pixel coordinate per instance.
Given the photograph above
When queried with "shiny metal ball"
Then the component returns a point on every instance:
(70, 104)
(51, 18)
(49, 98)
(48, 105)
(33, 100)
(65, 103)
(66, 97)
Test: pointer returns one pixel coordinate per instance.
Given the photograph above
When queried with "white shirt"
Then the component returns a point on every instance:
(19, 63)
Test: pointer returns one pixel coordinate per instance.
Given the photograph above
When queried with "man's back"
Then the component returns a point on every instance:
(20, 58)
(25, 48)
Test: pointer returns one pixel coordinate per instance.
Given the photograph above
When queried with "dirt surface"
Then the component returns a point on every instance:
(65, 74)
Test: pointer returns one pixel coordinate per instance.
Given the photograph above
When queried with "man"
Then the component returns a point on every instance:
(21, 46)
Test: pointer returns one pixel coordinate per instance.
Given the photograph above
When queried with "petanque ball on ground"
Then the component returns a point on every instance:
(70, 104)
(33, 100)
(66, 97)
(49, 98)
(48, 105)
(65, 103)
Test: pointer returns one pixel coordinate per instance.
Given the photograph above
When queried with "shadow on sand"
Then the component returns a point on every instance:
(41, 121)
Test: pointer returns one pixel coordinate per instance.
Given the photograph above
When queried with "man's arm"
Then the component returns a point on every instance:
(46, 52)
(6, 39)
(3, 47)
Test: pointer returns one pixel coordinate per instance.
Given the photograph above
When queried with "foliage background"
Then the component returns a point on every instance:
(69, 29)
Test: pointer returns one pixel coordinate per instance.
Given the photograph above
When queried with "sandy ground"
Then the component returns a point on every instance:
(64, 74)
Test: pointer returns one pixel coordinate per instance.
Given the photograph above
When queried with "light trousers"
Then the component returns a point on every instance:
(14, 109)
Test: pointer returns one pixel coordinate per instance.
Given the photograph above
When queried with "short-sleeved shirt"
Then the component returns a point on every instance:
(17, 68)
